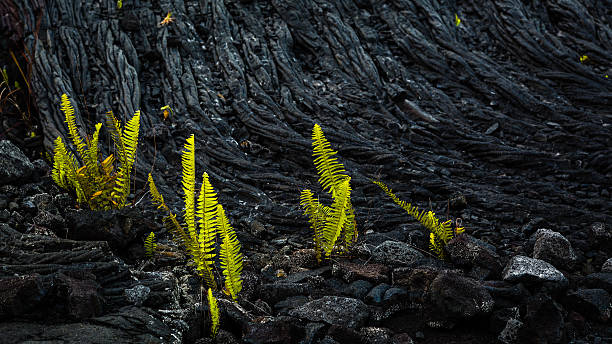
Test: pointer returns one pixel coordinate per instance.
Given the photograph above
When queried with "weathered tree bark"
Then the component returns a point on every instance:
(499, 108)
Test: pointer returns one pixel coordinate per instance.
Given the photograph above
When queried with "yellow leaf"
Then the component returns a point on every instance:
(96, 194)
(167, 20)
(583, 58)
(457, 20)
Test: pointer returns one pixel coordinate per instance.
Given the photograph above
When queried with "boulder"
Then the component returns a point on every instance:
(467, 251)
(531, 270)
(601, 280)
(592, 303)
(543, 320)
(358, 289)
(554, 248)
(271, 330)
(396, 253)
(459, 297)
(334, 310)
(14, 165)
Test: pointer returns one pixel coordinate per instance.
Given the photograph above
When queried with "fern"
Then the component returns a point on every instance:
(96, 183)
(440, 232)
(129, 140)
(338, 221)
(200, 241)
(337, 218)
(207, 211)
(214, 314)
(149, 245)
(231, 258)
(331, 172)
(317, 213)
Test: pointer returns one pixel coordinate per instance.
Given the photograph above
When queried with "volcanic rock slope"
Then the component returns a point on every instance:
(497, 112)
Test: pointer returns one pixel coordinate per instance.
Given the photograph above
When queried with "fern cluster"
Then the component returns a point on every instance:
(338, 221)
(439, 232)
(97, 183)
(205, 222)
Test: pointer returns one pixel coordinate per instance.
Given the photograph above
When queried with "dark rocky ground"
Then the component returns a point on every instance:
(495, 121)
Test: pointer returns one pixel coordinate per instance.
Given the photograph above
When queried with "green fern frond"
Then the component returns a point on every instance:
(231, 258)
(92, 151)
(350, 230)
(337, 218)
(331, 172)
(170, 220)
(317, 213)
(435, 246)
(442, 231)
(207, 214)
(188, 162)
(129, 141)
(214, 314)
(73, 131)
(114, 128)
(65, 169)
(149, 245)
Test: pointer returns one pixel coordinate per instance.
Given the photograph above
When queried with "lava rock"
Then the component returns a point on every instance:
(138, 294)
(394, 294)
(531, 270)
(376, 295)
(21, 296)
(593, 303)
(375, 335)
(506, 294)
(415, 279)
(275, 292)
(278, 330)
(235, 317)
(119, 227)
(358, 289)
(467, 251)
(554, 248)
(602, 280)
(510, 333)
(348, 271)
(79, 293)
(334, 310)
(14, 165)
(543, 320)
(396, 253)
(459, 297)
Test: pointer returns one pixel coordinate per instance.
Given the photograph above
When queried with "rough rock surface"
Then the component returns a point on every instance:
(14, 165)
(525, 269)
(395, 253)
(341, 311)
(554, 248)
(460, 297)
